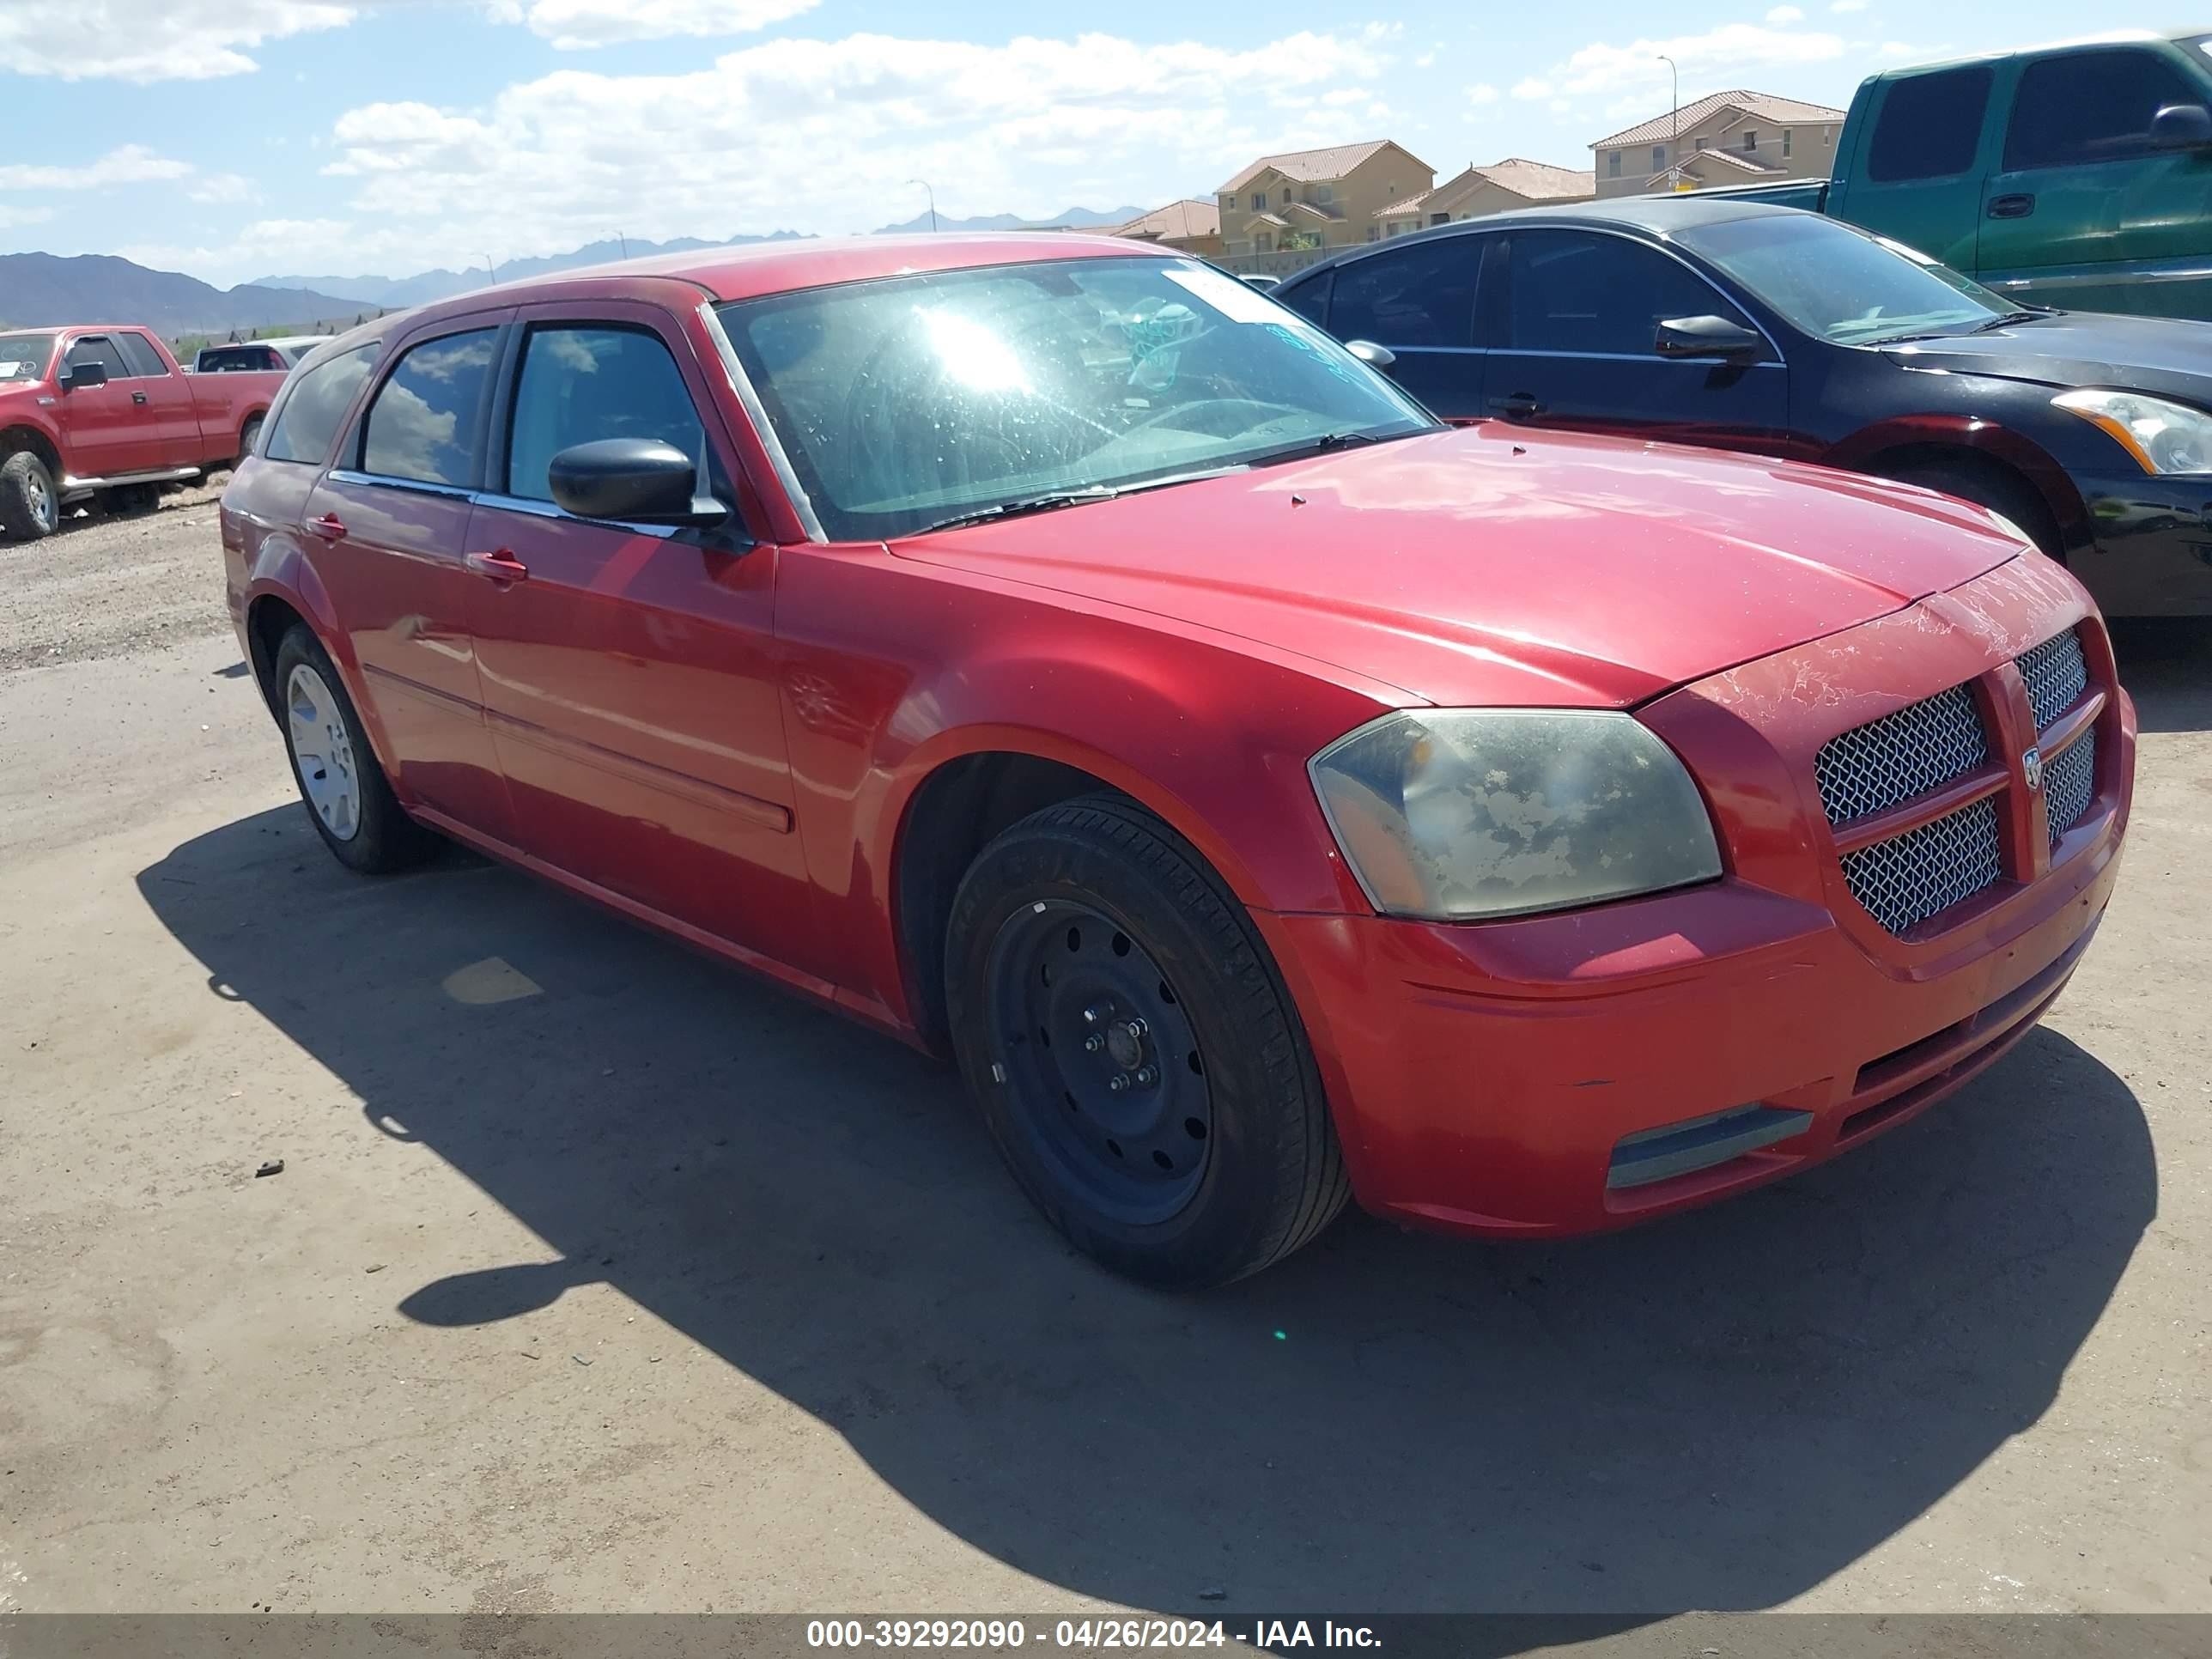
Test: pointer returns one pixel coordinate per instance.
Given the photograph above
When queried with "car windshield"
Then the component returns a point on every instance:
(1842, 284)
(909, 401)
(23, 357)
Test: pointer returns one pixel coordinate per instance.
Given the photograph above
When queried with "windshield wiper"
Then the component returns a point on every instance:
(1320, 446)
(2005, 320)
(1027, 504)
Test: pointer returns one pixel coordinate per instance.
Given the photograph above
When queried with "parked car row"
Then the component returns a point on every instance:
(104, 411)
(1723, 322)
(1064, 658)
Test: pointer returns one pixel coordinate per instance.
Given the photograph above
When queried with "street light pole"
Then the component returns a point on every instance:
(624, 240)
(490, 267)
(1675, 145)
(924, 183)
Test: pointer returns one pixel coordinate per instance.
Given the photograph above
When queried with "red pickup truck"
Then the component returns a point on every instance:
(91, 410)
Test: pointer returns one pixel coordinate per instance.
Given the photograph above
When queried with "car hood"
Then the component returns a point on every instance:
(2157, 354)
(1489, 565)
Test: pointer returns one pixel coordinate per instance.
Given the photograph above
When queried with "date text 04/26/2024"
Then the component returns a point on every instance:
(1002, 1635)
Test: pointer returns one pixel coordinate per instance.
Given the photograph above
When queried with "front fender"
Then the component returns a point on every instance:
(1979, 432)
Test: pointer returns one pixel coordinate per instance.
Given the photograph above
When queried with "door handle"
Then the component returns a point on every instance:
(328, 527)
(138, 397)
(2011, 206)
(1519, 406)
(501, 567)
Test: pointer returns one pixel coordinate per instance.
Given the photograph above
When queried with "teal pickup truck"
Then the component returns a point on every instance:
(2077, 176)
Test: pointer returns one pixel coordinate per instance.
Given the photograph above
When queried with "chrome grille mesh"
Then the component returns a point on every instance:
(1872, 767)
(2068, 784)
(2055, 675)
(1909, 878)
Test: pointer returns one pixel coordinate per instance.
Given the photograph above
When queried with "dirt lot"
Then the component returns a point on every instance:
(599, 1276)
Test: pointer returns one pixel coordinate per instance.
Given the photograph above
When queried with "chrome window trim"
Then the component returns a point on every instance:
(756, 412)
(499, 502)
(386, 481)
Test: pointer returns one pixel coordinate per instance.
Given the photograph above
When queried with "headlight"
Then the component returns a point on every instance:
(1453, 814)
(2163, 437)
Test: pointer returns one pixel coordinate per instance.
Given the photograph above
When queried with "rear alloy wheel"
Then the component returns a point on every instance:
(347, 799)
(1136, 1056)
(30, 507)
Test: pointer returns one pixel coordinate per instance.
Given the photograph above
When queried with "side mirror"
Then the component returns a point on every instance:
(1374, 357)
(81, 377)
(2182, 126)
(634, 480)
(1714, 338)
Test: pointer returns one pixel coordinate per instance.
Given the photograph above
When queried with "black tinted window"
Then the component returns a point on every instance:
(1309, 299)
(1930, 125)
(423, 424)
(306, 421)
(98, 348)
(582, 384)
(1571, 291)
(1421, 295)
(2090, 106)
(226, 360)
(139, 356)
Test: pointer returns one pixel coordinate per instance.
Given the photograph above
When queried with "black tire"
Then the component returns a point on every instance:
(248, 440)
(1988, 484)
(30, 505)
(1267, 1174)
(381, 837)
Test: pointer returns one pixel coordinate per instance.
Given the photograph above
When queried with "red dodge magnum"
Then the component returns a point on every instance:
(1057, 654)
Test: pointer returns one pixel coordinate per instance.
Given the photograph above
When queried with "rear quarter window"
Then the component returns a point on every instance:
(139, 356)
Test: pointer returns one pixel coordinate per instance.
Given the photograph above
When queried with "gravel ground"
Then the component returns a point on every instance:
(600, 1277)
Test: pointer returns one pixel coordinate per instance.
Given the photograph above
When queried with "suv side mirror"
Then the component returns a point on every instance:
(2182, 126)
(631, 480)
(81, 377)
(1710, 338)
(1374, 357)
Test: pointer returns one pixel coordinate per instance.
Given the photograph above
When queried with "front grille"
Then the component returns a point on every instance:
(1905, 880)
(2057, 676)
(2069, 784)
(1874, 767)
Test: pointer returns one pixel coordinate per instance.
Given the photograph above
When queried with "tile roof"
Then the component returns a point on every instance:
(1312, 165)
(1187, 219)
(1764, 106)
(1411, 205)
(1540, 181)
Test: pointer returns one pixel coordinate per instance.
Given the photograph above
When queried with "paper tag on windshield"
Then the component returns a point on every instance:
(8, 369)
(1238, 302)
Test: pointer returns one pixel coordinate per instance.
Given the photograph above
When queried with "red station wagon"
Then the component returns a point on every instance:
(1059, 655)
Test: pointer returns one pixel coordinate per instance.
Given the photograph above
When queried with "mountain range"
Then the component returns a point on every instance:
(38, 288)
(1076, 218)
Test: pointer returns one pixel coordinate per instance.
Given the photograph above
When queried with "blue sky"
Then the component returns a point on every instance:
(232, 138)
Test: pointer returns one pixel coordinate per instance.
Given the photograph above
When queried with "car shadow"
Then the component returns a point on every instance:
(1718, 1412)
(2165, 663)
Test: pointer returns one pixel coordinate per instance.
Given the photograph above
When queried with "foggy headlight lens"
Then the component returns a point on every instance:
(2162, 437)
(1450, 815)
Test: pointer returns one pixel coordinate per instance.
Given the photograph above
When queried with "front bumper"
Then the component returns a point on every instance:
(2150, 552)
(1483, 1078)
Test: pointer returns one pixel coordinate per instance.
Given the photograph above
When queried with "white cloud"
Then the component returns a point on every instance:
(1531, 86)
(12, 216)
(1781, 14)
(1426, 60)
(811, 135)
(576, 25)
(1715, 57)
(1849, 5)
(1482, 93)
(224, 187)
(132, 164)
(151, 39)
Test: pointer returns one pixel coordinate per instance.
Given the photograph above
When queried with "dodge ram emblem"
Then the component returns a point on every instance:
(2031, 768)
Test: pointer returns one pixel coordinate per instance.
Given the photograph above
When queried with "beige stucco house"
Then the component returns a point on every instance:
(1188, 226)
(1728, 138)
(1313, 199)
(1514, 182)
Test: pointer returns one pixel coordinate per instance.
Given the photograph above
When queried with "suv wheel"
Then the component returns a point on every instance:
(347, 797)
(30, 507)
(1136, 1056)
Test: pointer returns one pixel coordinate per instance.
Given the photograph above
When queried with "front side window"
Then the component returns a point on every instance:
(98, 348)
(144, 362)
(1841, 284)
(1572, 291)
(424, 425)
(1930, 126)
(2090, 106)
(910, 400)
(581, 383)
(23, 357)
(1421, 295)
(306, 422)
